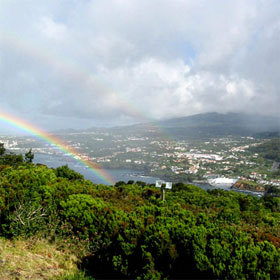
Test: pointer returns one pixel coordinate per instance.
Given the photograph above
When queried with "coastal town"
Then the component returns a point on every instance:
(163, 157)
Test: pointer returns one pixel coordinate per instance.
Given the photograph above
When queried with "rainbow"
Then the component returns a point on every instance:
(66, 68)
(50, 139)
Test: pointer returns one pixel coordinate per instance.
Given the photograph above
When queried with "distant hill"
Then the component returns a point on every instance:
(208, 125)
(201, 126)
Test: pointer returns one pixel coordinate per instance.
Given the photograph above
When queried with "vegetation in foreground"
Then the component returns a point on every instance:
(126, 231)
(34, 259)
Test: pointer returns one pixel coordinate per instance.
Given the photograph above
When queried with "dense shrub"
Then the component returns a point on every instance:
(128, 232)
(66, 172)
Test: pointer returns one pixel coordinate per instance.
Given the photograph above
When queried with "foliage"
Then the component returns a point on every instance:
(119, 183)
(126, 231)
(29, 156)
(21, 207)
(272, 191)
(2, 149)
(11, 159)
(269, 149)
(65, 172)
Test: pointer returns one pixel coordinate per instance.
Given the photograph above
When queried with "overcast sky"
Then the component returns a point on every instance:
(69, 63)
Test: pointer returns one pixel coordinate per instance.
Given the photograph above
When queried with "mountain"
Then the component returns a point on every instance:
(206, 125)
(200, 126)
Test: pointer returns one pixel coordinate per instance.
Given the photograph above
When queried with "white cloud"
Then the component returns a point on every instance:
(122, 60)
(52, 29)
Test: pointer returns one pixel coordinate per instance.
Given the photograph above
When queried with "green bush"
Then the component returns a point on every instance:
(66, 172)
(128, 232)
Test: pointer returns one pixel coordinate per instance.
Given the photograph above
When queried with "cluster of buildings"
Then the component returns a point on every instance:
(220, 156)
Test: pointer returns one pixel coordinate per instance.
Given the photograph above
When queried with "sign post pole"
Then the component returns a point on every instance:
(163, 193)
(163, 185)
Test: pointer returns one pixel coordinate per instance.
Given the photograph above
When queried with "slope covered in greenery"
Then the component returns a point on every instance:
(269, 150)
(126, 231)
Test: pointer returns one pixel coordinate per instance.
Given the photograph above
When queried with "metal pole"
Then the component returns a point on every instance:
(162, 193)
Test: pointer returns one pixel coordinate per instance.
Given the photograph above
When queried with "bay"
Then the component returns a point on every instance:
(125, 175)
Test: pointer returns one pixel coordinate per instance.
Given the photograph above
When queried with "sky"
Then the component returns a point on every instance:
(79, 64)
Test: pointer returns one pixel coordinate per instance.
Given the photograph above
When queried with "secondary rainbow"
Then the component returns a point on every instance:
(85, 79)
(65, 69)
(51, 139)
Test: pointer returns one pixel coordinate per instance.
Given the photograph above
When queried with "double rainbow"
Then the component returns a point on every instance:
(50, 139)
(85, 79)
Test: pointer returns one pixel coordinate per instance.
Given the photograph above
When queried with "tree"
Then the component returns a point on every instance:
(65, 172)
(12, 159)
(29, 156)
(2, 149)
(119, 183)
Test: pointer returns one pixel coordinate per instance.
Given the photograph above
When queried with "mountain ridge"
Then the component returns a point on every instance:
(206, 125)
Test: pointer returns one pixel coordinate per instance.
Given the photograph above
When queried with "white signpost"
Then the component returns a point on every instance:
(159, 183)
(163, 185)
(168, 185)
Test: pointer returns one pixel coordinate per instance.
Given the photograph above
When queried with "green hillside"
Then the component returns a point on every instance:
(269, 150)
(127, 232)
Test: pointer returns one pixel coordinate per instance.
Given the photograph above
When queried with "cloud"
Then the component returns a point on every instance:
(117, 61)
(52, 29)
